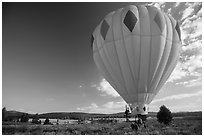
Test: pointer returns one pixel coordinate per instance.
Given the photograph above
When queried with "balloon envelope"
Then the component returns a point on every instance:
(136, 49)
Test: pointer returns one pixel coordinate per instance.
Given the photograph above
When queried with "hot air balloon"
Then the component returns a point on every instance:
(136, 48)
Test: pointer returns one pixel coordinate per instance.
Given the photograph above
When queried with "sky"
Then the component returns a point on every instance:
(47, 62)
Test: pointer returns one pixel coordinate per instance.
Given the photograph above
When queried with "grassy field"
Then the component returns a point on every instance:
(179, 126)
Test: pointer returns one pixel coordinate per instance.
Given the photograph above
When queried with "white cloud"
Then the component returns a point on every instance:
(191, 83)
(177, 3)
(21, 110)
(107, 108)
(188, 11)
(106, 89)
(195, 45)
(191, 29)
(31, 112)
(177, 97)
(80, 86)
(80, 109)
(192, 9)
(93, 85)
(187, 68)
(159, 5)
(91, 107)
(178, 105)
(114, 105)
(178, 73)
(196, 83)
(109, 105)
(194, 63)
(191, 106)
(191, 33)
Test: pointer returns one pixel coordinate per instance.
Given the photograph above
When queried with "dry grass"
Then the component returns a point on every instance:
(188, 126)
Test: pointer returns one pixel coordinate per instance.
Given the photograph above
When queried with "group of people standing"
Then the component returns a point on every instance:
(139, 119)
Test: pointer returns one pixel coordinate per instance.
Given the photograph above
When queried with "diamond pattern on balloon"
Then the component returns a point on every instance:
(178, 30)
(92, 40)
(104, 29)
(130, 20)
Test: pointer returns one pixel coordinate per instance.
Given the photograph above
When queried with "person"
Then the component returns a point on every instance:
(134, 126)
(139, 121)
(142, 119)
(126, 114)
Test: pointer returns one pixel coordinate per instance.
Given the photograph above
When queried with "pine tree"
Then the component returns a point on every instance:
(164, 115)
(24, 117)
(36, 119)
(47, 121)
(4, 114)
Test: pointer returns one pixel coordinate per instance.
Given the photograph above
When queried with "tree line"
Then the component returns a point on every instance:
(163, 116)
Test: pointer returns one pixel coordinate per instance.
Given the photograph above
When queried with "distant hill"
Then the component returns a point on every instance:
(80, 115)
(14, 113)
(184, 114)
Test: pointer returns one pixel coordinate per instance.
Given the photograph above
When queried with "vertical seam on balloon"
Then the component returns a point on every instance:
(122, 38)
(104, 50)
(128, 62)
(160, 79)
(103, 61)
(175, 62)
(136, 82)
(165, 45)
(163, 77)
(134, 77)
(156, 69)
(139, 61)
(118, 57)
(156, 89)
(150, 54)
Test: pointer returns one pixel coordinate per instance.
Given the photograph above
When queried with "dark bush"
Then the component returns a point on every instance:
(8, 130)
(4, 114)
(35, 119)
(164, 115)
(36, 131)
(47, 122)
(22, 129)
(134, 126)
(24, 117)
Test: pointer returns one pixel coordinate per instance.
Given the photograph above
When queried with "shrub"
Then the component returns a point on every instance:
(21, 129)
(4, 114)
(47, 122)
(35, 119)
(164, 115)
(24, 117)
(8, 130)
(36, 131)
